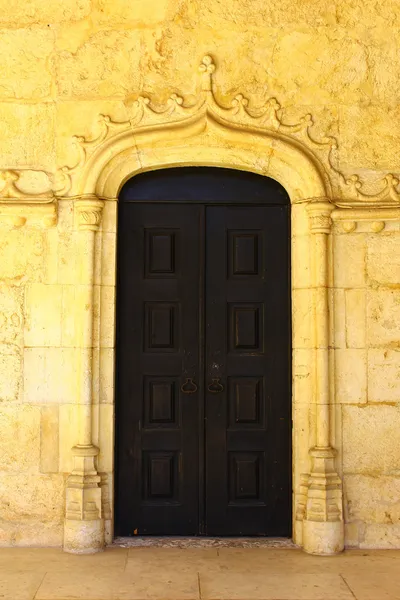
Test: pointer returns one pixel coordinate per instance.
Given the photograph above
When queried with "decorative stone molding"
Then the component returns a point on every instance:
(346, 190)
(88, 212)
(322, 506)
(362, 220)
(84, 523)
(23, 200)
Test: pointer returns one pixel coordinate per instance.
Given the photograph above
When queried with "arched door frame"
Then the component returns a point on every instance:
(207, 136)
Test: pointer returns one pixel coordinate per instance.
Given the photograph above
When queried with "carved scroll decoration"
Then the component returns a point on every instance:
(347, 191)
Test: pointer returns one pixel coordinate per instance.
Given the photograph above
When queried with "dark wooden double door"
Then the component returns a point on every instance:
(203, 370)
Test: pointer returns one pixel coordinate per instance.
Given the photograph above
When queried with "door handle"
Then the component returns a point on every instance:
(189, 386)
(215, 386)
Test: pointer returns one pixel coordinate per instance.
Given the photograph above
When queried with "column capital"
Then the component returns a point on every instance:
(319, 214)
(88, 212)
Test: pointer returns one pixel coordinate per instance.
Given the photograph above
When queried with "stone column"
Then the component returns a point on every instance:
(84, 525)
(323, 529)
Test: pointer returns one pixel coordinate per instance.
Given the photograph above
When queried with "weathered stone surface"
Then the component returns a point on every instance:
(371, 438)
(26, 63)
(349, 273)
(106, 65)
(27, 263)
(10, 373)
(358, 122)
(351, 376)
(27, 134)
(50, 375)
(19, 447)
(43, 315)
(383, 375)
(383, 259)
(373, 499)
(31, 497)
(383, 317)
(49, 439)
(355, 318)
(29, 12)
(11, 315)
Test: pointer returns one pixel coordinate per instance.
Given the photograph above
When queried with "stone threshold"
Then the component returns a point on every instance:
(202, 542)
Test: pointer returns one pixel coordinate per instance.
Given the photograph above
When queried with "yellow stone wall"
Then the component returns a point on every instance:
(63, 64)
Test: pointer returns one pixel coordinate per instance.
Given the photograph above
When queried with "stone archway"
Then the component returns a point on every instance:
(208, 135)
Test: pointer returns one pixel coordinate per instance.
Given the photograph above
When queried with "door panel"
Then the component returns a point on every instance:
(203, 370)
(247, 353)
(158, 343)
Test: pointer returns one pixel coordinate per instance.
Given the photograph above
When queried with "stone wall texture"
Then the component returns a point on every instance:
(64, 63)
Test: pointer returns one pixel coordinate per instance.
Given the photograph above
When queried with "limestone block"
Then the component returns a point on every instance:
(68, 257)
(359, 148)
(351, 375)
(20, 435)
(136, 12)
(350, 13)
(26, 64)
(371, 439)
(108, 259)
(355, 318)
(106, 308)
(27, 133)
(28, 497)
(349, 260)
(353, 533)
(10, 373)
(304, 427)
(381, 536)
(383, 259)
(303, 365)
(31, 533)
(11, 315)
(383, 375)
(109, 220)
(339, 61)
(106, 438)
(372, 499)
(301, 277)
(50, 375)
(104, 375)
(30, 11)
(49, 439)
(107, 64)
(43, 315)
(299, 220)
(69, 435)
(74, 302)
(253, 13)
(26, 264)
(302, 302)
(338, 324)
(383, 317)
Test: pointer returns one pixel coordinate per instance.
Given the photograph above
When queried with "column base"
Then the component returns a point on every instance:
(323, 537)
(83, 537)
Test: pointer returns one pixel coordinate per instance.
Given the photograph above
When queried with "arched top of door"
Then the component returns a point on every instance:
(203, 184)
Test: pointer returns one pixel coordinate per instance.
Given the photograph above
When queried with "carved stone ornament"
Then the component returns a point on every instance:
(345, 191)
(26, 197)
(88, 213)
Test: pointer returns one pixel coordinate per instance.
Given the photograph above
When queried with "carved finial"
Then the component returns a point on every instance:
(207, 67)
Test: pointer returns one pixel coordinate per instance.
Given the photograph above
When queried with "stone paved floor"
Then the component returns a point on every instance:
(147, 573)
